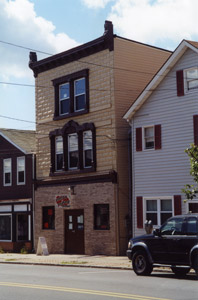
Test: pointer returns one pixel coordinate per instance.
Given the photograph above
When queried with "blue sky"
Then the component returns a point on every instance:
(54, 26)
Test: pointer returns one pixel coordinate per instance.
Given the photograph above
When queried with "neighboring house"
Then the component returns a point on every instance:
(17, 168)
(82, 195)
(164, 122)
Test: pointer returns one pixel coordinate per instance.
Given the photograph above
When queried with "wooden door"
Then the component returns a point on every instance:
(74, 231)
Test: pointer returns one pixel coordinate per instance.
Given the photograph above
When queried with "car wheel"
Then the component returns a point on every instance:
(195, 264)
(180, 271)
(141, 264)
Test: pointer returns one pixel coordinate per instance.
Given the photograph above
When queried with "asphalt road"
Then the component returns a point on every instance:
(31, 282)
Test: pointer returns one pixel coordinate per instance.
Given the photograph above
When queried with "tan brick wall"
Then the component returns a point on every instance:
(101, 112)
(96, 241)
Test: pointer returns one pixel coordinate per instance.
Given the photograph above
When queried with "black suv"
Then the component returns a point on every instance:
(175, 244)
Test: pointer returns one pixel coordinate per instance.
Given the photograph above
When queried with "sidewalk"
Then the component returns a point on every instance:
(99, 261)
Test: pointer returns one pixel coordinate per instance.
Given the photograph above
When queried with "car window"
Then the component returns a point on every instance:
(191, 226)
(172, 227)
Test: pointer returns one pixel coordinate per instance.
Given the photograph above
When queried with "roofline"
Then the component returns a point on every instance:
(143, 44)
(106, 41)
(15, 145)
(158, 77)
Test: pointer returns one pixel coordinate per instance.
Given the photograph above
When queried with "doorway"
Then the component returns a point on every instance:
(74, 231)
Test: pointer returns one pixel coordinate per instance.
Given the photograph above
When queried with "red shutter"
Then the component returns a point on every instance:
(139, 139)
(195, 125)
(139, 208)
(177, 204)
(180, 83)
(158, 138)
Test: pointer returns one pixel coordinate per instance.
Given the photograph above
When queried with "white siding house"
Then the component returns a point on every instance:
(164, 123)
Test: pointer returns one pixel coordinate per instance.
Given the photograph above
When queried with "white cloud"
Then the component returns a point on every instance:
(96, 3)
(157, 22)
(20, 25)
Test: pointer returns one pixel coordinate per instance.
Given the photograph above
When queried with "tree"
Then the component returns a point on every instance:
(191, 190)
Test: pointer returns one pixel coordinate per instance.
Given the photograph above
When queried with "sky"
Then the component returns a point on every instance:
(49, 26)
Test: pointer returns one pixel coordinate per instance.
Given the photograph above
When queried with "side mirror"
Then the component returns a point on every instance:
(157, 232)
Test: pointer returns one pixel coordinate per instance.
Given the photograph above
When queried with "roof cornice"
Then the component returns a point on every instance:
(106, 41)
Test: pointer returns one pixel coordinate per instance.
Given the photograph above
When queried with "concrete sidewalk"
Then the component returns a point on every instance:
(99, 261)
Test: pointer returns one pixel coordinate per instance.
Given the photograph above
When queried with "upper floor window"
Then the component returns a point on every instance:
(73, 148)
(7, 172)
(71, 94)
(148, 137)
(191, 76)
(149, 141)
(59, 153)
(20, 170)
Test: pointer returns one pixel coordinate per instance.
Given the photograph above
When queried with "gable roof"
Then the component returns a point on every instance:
(24, 140)
(160, 75)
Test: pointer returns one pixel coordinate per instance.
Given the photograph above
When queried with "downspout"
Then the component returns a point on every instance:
(33, 196)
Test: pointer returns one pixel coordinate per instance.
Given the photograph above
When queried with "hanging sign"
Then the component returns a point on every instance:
(62, 201)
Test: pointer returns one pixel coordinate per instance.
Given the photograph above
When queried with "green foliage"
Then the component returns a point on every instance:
(1, 250)
(24, 250)
(191, 190)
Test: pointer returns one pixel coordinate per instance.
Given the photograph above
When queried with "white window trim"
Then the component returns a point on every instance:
(75, 95)
(20, 183)
(158, 210)
(58, 152)
(7, 184)
(76, 134)
(10, 226)
(143, 137)
(187, 91)
(62, 99)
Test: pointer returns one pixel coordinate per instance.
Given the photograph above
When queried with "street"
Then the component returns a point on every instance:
(50, 282)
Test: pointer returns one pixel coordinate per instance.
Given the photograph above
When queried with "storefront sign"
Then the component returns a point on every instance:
(62, 201)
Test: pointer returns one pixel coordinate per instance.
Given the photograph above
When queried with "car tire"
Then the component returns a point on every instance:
(180, 271)
(140, 263)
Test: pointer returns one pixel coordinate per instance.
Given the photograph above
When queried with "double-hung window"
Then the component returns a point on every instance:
(73, 154)
(158, 210)
(87, 149)
(20, 170)
(7, 172)
(149, 138)
(59, 153)
(191, 76)
(64, 99)
(71, 94)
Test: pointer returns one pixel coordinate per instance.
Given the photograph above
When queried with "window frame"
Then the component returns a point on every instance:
(53, 214)
(97, 227)
(71, 79)
(63, 99)
(84, 150)
(158, 208)
(186, 80)
(58, 152)
(7, 214)
(20, 183)
(144, 138)
(71, 151)
(4, 183)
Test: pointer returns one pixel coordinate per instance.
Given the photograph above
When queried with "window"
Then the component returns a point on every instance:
(5, 227)
(48, 217)
(173, 227)
(87, 149)
(22, 227)
(191, 77)
(192, 226)
(59, 153)
(101, 217)
(71, 94)
(20, 170)
(158, 210)
(64, 99)
(149, 141)
(7, 172)
(74, 149)
(73, 155)
(148, 137)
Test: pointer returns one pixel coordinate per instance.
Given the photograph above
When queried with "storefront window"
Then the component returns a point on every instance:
(101, 217)
(48, 217)
(5, 227)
